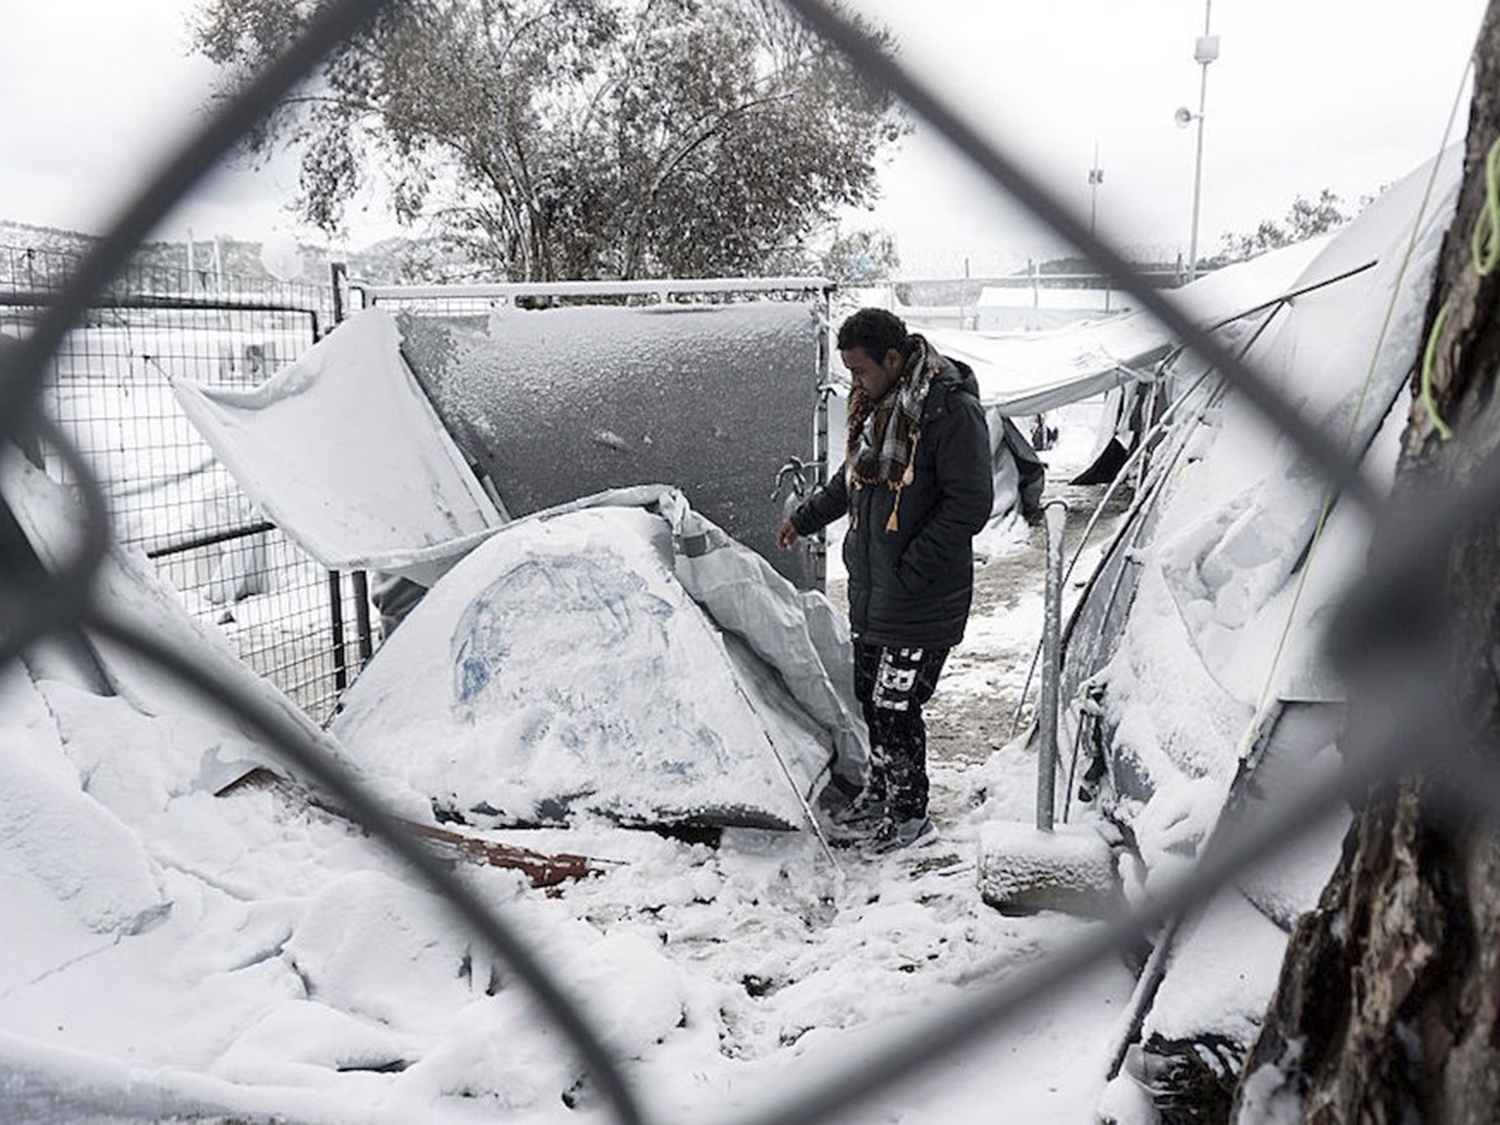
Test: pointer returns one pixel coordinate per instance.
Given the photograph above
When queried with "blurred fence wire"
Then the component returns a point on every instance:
(1415, 711)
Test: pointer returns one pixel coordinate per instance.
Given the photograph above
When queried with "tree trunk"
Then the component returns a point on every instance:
(1388, 1007)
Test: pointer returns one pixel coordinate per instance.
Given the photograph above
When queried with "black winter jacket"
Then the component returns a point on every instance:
(912, 587)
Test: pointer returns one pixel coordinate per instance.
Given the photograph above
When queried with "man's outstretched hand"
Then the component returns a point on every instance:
(786, 535)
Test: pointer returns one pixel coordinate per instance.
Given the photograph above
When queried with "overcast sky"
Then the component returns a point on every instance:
(1306, 94)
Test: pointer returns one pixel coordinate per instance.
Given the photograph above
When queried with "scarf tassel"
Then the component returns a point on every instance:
(893, 524)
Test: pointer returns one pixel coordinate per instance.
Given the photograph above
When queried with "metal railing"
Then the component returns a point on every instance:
(1415, 712)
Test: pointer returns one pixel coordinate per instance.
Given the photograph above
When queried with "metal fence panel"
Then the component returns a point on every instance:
(109, 387)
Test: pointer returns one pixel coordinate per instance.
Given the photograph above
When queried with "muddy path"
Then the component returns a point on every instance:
(972, 712)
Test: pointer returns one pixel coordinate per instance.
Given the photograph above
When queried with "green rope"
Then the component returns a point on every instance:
(1444, 431)
(1484, 243)
(1484, 248)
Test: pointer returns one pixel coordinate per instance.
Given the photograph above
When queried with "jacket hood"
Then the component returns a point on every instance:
(953, 375)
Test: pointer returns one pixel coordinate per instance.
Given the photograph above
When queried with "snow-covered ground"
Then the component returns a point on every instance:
(247, 955)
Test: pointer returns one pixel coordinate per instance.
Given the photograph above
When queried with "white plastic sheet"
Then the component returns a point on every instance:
(1031, 372)
(619, 655)
(343, 452)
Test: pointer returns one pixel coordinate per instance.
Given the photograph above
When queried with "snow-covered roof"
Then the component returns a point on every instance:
(1024, 373)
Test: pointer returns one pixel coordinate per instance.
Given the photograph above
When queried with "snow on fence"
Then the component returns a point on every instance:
(170, 498)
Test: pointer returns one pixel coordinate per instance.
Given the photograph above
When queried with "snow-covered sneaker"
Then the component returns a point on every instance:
(860, 831)
(893, 835)
(855, 821)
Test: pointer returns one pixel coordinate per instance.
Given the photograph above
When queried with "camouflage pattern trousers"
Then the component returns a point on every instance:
(891, 685)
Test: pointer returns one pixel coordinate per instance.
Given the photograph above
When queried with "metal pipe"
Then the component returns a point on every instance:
(678, 286)
(211, 540)
(821, 438)
(336, 625)
(338, 278)
(1046, 762)
(362, 617)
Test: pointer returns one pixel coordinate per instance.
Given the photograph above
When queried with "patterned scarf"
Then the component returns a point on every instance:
(883, 435)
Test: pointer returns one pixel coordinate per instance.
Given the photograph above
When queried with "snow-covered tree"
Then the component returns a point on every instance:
(577, 138)
(1304, 219)
(859, 257)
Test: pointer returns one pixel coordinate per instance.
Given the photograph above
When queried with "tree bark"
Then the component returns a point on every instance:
(1388, 1007)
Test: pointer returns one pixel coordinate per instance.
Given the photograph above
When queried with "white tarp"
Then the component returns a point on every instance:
(343, 452)
(1031, 372)
(128, 585)
(1231, 588)
(620, 655)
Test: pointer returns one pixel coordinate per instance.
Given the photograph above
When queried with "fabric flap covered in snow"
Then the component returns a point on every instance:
(343, 451)
(565, 666)
(1031, 372)
(135, 596)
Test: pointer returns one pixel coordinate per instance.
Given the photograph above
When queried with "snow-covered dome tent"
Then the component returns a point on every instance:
(619, 656)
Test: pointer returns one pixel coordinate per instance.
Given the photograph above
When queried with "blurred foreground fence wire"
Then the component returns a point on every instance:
(33, 607)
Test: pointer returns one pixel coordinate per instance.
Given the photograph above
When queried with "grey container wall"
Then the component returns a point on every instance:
(554, 404)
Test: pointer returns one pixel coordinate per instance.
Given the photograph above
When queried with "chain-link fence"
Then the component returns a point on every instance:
(1414, 711)
(109, 387)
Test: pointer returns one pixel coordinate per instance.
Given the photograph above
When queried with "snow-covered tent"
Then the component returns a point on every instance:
(508, 678)
(1030, 372)
(558, 403)
(1192, 663)
(620, 656)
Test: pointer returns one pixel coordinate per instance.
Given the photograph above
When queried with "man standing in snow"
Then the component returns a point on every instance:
(916, 484)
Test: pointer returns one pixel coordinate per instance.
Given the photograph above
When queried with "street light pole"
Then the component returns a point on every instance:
(1204, 52)
(1096, 177)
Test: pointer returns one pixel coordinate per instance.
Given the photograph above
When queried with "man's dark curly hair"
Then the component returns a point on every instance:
(874, 330)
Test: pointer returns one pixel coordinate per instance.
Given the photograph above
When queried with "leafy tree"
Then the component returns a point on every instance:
(1306, 218)
(577, 138)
